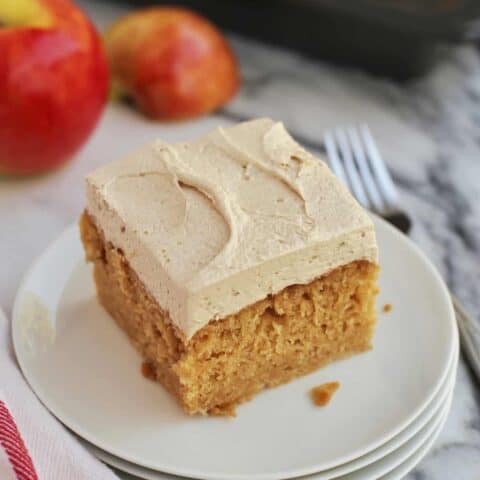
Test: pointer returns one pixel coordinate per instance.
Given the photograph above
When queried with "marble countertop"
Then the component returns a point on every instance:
(428, 131)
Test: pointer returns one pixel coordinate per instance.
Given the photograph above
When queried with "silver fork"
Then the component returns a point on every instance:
(355, 159)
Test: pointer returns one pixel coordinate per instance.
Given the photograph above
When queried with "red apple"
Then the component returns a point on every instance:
(172, 62)
(53, 83)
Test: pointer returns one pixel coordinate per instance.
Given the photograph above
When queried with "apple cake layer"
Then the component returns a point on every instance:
(227, 361)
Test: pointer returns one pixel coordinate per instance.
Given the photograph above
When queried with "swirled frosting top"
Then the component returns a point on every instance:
(216, 224)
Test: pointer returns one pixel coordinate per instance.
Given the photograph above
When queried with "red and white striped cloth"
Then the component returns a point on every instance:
(33, 445)
(17, 460)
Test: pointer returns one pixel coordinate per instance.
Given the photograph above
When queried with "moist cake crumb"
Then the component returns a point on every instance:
(226, 410)
(322, 394)
(148, 371)
(387, 308)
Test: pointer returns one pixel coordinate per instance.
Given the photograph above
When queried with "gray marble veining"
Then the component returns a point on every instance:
(428, 131)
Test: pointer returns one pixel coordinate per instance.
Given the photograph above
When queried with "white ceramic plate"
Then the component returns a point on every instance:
(383, 466)
(386, 464)
(399, 472)
(396, 473)
(410, 437)
(85, 371)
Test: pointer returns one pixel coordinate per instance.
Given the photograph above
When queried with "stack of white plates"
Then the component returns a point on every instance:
(391, 405)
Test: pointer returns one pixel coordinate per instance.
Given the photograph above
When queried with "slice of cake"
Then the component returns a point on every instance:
(234, 262)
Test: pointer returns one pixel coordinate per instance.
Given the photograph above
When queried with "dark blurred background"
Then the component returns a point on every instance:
(395, 38)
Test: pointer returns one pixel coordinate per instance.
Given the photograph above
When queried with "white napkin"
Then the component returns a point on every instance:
(33, 444)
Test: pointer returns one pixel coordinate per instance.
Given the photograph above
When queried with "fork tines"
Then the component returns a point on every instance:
(356, 161)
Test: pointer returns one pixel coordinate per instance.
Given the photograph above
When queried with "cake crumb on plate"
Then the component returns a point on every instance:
(148, 371)
(322, 394)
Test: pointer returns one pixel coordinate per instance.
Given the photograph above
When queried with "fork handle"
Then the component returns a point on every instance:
(469, 335)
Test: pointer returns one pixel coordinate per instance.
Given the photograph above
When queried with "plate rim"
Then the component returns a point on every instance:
(440, 411)
(431, 436)
(418, 454)
(219, 475)
(438, 421)
(405, 467)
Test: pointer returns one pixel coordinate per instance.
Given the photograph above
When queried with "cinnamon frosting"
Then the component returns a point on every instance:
(216, 224)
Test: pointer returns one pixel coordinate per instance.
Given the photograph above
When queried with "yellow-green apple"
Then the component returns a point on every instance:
(173, 63)
(53, 83)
